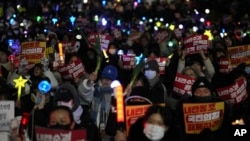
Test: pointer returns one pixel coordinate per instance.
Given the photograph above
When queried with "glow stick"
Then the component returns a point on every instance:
(118, 90)
(60, 52)
(20, 82)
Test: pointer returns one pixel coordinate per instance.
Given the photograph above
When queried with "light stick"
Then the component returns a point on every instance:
(60, 52)
(118, 90)
(20, 82)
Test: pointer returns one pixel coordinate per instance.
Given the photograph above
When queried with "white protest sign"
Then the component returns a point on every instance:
(6, 114)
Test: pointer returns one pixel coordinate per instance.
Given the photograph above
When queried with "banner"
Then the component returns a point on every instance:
(128, 62)
(234, 93)
(72, 69)
(7, 110)
(198, 116)
(183, 84)
(70, 47)
(33, 51)
(104, 40)
(194, 43)
(239, 54)
(47, 134)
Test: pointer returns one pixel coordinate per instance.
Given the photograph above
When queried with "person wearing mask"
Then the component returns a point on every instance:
(67, 95)
(155, 125)
(157, 90)
(61, 117)
(202, 93)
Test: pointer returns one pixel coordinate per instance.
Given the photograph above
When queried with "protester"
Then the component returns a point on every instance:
(156, 124)
(61, 117)
(202, 92)
(67, 95)
(157, 90)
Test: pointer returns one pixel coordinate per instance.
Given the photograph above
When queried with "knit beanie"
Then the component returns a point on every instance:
(152, 65)
(202, 82)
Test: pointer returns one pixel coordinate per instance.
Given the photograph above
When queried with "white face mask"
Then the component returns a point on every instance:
(154, 132)
(67, 104)
(112, 51)
(150, 74)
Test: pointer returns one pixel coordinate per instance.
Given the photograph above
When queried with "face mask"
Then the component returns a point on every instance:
(153, 132)
(150, 74)
(112, 51)
(203, 98)
(60, 126)
(67, 104)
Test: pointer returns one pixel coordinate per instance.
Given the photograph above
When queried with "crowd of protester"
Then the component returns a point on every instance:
(88, 101)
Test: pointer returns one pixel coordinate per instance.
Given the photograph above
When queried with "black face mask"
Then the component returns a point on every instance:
(59, 126)
(203, 99)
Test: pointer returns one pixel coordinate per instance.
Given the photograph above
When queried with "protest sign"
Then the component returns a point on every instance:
(48, 134)
(183, 84)
(194, 43)
(198, 116)
(234, 93)
(239, 54)
(7, 110)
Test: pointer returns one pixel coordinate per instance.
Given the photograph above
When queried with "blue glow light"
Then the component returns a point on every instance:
(44, 87)
(54, 20)
(72, 19)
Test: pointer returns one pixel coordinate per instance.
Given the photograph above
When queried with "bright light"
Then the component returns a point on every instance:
(140, 22)
(172, 27)
(207, 11)
(170, 44)
(150, 20)
(72, 19)
(202, 20)
(180, 26)
(96, 18)
(196, 12)
(115, 83)
(158, 24)
(85, 1)
(118, 22)
(104, 22)
(54, 20)
(161, 19)
(195, 28)
(155, 28)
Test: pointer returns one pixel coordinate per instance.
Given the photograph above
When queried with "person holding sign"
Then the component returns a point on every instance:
(202, 116)
(201, 63)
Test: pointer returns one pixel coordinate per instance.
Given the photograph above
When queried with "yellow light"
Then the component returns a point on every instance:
(172, 27)
(209, 34)
(20, 82)
(158, 24)
(60, 52)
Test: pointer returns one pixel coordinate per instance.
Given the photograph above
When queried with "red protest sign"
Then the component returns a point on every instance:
(198, 116)
(72, 70)
(47, 134)
(224, 65)
(183, 84)
(197, 42)
(128, 62)
(70, 47)
(234, 93)
(104, 40)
